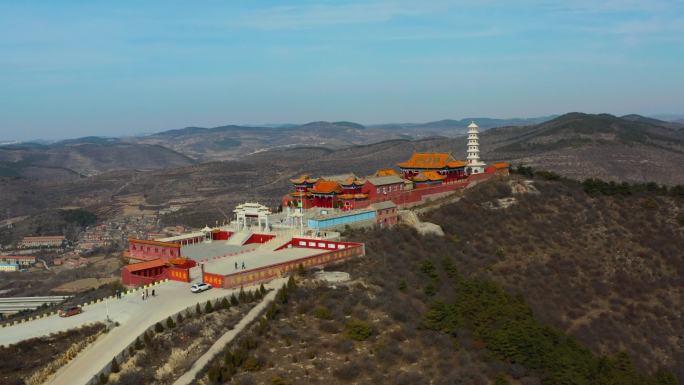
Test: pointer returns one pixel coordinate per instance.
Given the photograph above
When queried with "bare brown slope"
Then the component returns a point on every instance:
(72, 160)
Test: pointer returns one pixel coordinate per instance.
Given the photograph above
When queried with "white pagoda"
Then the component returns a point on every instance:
(474, 165)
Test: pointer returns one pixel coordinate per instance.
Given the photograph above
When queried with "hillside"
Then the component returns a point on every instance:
(234, 142)
(84, 157)
(582, 146)
(575, 145)
(533, 294)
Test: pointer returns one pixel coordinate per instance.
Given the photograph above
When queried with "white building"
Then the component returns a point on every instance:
(474, 165)
(8, 267)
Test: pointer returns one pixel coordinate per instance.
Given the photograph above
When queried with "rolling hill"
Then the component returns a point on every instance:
(235, 142)
(84, 157)
(575, 145)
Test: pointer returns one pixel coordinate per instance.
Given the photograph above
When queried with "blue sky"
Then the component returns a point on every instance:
(76, 68)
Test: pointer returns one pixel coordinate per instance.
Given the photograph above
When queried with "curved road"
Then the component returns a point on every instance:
(133, 314)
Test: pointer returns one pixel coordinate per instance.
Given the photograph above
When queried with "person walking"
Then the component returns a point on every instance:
(147, 293)
(243, 265)
(236, 267)
(153, 292)
(143, 295)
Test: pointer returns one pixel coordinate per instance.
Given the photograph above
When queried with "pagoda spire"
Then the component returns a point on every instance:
(474, 163)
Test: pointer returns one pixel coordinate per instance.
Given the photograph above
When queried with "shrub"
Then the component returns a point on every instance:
(291, 283)
(225, 304)
(262, 289)
(179, 319)
(158, 327)
(115, 366)
(103, 379)
(347, 372)
(282, 296)
(169, 323)
(357, 330)
(322, 312)
(272, 311)
(252, 364)
(278, 380)
(139, 345)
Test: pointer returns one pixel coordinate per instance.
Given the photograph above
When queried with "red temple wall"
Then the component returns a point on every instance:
(178, 274)
(137, 279)
(221, 235)
(267, 273)
(215, 280)
(406, 198)
(147, 252)
(259, 238)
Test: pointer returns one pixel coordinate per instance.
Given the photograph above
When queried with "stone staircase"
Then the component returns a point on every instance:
(239, 238)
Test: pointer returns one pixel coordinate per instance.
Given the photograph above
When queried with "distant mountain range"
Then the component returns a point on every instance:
(142, 170)
(523, 139)
(461, 125)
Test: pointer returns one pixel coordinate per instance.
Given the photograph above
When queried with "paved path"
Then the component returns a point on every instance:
(138, 316)
(171, 295)
(218, 346)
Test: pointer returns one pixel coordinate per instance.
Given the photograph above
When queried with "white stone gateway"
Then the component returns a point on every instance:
(252, 210)
(474, 164)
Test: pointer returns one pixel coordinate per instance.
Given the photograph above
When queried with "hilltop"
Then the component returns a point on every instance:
(536, 293)
(584, 145)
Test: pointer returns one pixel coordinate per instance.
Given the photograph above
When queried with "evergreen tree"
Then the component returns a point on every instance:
(291, 283)
(225, 304)
(233, 300)
(241, 295)
(198, 311)
(139, 345)
(169, 323)
(158, 327)
(115, 366)
(208, 308)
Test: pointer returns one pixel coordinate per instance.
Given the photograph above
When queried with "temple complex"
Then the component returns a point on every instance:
(424, 175)
(260, 244)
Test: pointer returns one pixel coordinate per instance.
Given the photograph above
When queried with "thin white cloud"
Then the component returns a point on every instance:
(298, 17)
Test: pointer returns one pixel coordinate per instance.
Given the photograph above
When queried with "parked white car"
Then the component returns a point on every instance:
(200, 287)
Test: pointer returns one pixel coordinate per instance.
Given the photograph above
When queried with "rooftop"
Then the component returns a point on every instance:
(431, 160)
(383, 205)
(326, 187)
(145, 265)
(257, 259)
(212, 249)
(384, 180)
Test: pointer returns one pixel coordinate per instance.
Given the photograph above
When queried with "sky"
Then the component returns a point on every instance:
(74, 68)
